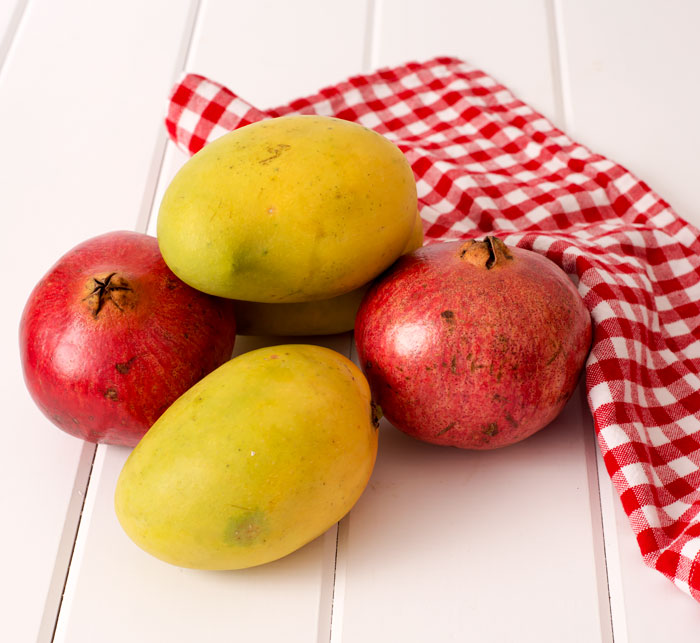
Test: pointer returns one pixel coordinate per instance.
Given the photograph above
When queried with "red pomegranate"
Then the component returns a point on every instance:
(110, 337)
(472, 344)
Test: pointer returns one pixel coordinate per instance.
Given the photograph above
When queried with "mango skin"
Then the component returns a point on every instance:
(257, 459)
(296, 208)
(322, 317)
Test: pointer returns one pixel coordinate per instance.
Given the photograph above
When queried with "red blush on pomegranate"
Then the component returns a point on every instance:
(473, 344)
(110, 337)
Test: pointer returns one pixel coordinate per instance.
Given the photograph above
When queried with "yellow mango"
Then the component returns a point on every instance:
(257, 459)
(322, 317)
(291, 209)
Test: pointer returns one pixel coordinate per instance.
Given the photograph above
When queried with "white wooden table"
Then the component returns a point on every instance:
(524, 544)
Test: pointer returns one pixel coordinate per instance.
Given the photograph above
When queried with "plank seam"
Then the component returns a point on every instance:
(75, 534)
(335, 571)
(10, 36)
(561, 85)
(564, 114)
(161, 144)
(141, 226)
(369, 49)
(599, 508)
(339, 581)
(615, 589)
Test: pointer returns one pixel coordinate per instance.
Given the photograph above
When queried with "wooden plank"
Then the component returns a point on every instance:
(271, 62)
(496, 545)
(11, 13)
(269, 52)
(654, 609)
(77, 109)
(632, 88)
(645, 606)
(289, 599)
(455, 534)
(160, 602)
(630, 84)
(510, 41)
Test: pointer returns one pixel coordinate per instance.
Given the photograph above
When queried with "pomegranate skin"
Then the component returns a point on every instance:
(474, 345)
(110, 337)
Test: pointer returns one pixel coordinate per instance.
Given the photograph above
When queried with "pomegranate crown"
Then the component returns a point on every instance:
(489, 253)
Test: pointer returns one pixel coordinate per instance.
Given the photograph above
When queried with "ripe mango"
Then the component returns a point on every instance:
(322, 317)
(257, 459)
(291, 209)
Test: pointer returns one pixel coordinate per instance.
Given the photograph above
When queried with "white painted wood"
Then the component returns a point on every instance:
(450, 545)
(630, 86)
(77, 114)
(645, 606)
(54, 595)
(455, 534)
(444, 545)
(632, 89)
(206, 55)
(608, 498)
(287, 600)
(173, 159)
(119, 593)
(280, 52)
(654, 609)
(509, 40)
(11, 12)
(270, 52)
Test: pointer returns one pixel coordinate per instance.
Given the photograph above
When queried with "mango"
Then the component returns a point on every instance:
(291, 209)
(257, 459)
(306, 318)
(322, 317)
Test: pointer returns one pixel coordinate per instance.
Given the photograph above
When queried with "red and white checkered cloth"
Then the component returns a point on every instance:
(485, 162)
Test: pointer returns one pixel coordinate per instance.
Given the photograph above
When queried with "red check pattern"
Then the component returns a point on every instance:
(485, 162)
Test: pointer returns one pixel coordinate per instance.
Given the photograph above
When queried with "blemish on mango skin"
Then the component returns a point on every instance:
(246, 528)
(275, 152)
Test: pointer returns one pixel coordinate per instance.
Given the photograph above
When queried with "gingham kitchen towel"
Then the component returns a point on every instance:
(485, 162)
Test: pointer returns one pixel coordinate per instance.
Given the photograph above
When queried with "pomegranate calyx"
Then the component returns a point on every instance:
(489, 253)
(112, 288)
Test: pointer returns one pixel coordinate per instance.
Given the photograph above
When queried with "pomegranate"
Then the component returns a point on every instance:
(472, 344)
(110, 337)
